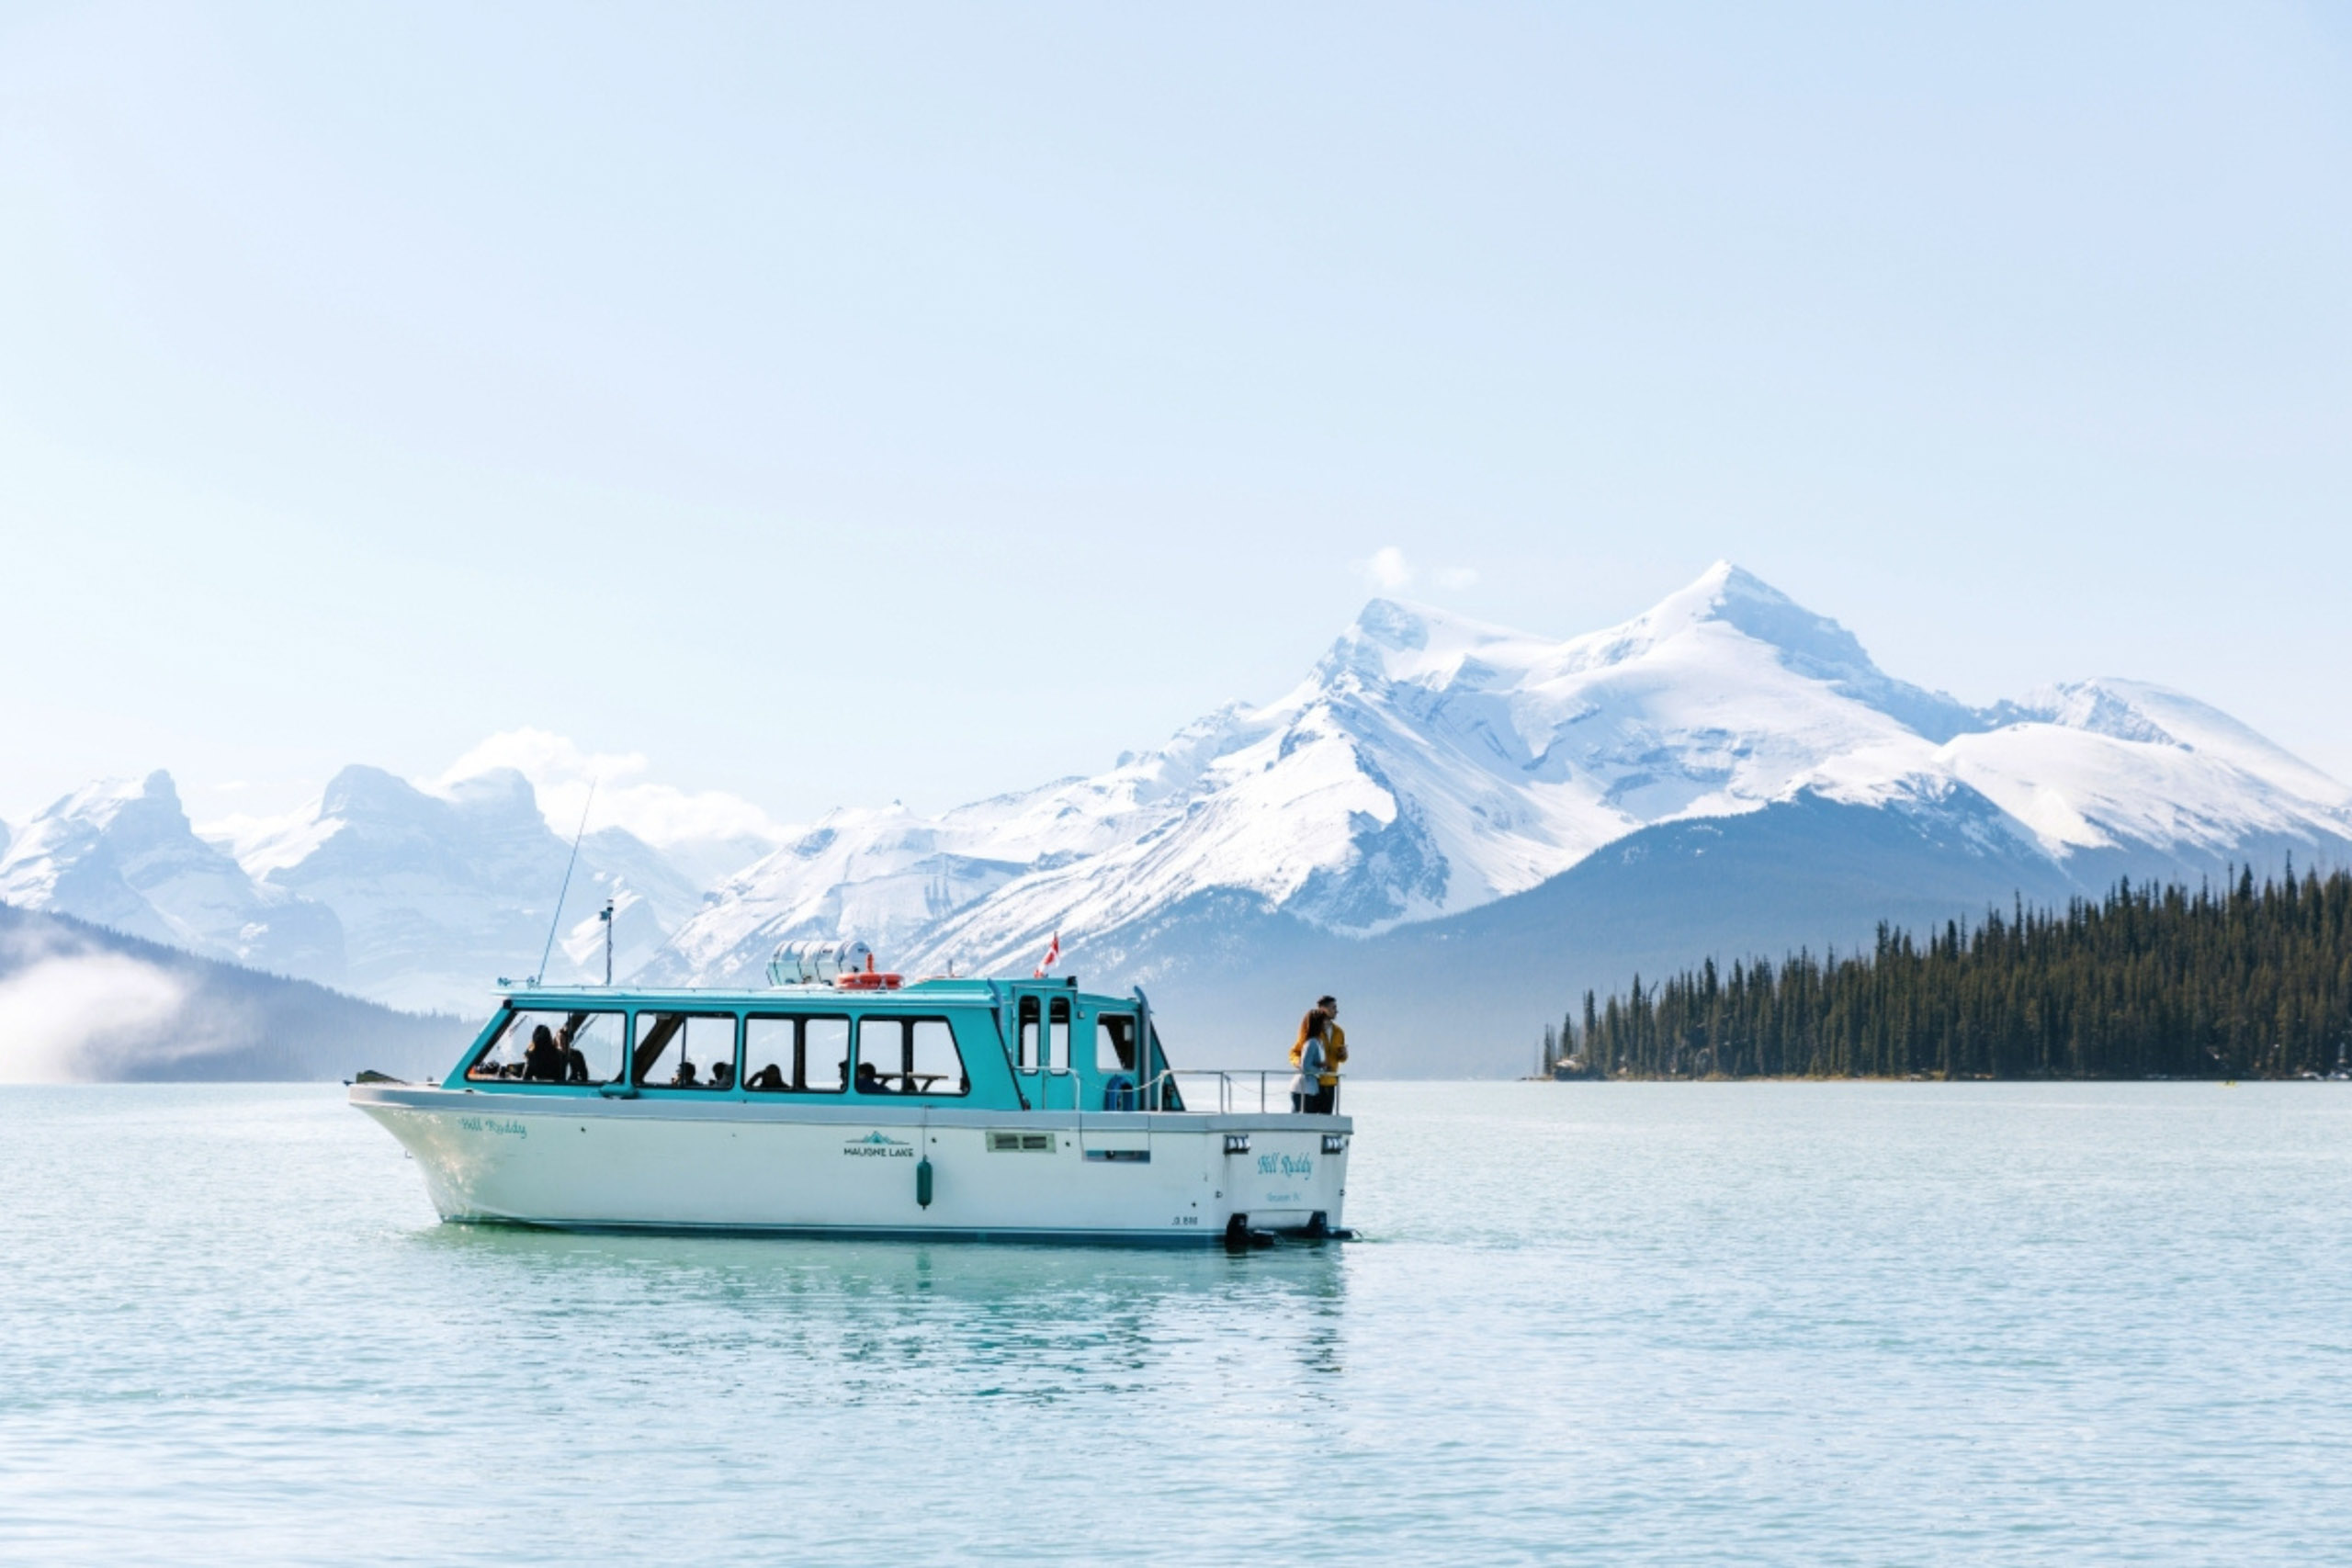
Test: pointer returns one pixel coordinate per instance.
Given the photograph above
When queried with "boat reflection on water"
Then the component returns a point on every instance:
(857, 1320)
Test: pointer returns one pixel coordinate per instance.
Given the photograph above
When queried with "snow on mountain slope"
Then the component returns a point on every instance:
(1430, 764)
(121, 853)
(2106, 764)
(2081, 789)
(416, 897)
(2132, 710)
(440, 893)
(891, 876)
(704, 835)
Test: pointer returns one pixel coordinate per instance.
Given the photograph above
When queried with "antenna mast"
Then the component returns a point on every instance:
(557, 919)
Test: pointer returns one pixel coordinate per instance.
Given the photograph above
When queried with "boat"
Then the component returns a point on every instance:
(843, 1100)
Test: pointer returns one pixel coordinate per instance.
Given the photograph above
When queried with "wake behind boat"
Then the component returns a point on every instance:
(850, 1103)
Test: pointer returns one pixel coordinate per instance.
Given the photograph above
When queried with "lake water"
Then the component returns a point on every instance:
(1623, 1324)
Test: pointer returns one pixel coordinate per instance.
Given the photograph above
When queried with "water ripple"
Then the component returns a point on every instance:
(1654, 1324)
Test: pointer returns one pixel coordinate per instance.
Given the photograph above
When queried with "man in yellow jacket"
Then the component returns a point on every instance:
(1335, 1051)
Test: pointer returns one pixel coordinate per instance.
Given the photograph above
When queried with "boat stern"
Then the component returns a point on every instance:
(1289, 1174)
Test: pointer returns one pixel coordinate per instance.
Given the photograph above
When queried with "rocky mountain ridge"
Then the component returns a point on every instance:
(1430, 773)
(1429, 765)
(416, 899)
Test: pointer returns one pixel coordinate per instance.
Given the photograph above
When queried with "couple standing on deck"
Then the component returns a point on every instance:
(1322, 1046)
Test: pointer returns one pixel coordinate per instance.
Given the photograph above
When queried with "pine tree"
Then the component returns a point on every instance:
(2151, 981)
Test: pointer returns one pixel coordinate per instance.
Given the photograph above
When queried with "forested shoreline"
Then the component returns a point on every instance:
(2250, 981)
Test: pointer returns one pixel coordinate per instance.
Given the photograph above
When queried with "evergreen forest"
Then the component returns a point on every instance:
(2149, 982)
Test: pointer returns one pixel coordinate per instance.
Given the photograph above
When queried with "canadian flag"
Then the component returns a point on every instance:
(1053, 956)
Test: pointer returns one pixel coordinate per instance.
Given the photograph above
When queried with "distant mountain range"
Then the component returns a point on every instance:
(1463, 826)
(416, 899)
(1456, 825)
(80, 1001)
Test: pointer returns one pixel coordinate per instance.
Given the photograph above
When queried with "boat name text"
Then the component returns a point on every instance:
(508, 1128)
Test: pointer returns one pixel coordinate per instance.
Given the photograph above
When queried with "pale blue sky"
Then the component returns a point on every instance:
(868, 401)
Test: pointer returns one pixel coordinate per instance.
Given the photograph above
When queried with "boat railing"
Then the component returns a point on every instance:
(1234, 1087)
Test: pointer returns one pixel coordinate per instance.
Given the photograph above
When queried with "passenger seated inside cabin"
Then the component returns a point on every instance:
(722, 1075)
(791, 1051)
(543, 1063)
(909, 1055)
(682, 1051)
(575, 1066)
(550, 1047)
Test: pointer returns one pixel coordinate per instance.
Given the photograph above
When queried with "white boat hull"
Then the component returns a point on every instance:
(670, 1162)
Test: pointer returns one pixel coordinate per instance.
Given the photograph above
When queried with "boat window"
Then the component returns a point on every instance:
(794, 1055)
(1057, 1035)
(909, 1055)
(1115, 1042)
(503, 1057)
(1031, 1013)
(685, 1051)
(583, 1048)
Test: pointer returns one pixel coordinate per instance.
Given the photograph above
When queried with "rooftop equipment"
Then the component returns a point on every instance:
(813, 963)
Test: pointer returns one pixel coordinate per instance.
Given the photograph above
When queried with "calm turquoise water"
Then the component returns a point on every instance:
(1668, 1324)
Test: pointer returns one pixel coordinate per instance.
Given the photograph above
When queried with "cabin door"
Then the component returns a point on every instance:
(1124, 1087)
(1040, 1053)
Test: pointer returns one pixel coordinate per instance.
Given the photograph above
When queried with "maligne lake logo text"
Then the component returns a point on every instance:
(875, 1144)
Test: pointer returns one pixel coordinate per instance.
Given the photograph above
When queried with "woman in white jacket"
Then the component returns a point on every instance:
(1308, 1058)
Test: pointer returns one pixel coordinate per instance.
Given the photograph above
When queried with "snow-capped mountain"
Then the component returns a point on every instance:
(1429, 765)
(415, 898)
(439, 894)
(1729, 772)
(893, 877)
(121, 853)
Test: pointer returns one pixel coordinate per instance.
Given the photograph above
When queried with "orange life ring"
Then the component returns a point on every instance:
(867, 980)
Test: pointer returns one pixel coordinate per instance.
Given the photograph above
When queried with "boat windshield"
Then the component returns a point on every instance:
(548, 1046)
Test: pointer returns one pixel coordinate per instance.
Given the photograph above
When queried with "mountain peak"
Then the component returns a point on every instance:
(360, 789)
(1395, 640)
(1737, 597)
(1728, 579)
(1730, 595)
(1393, 623)
(495, 791)
(103, 801)
(1404, 624)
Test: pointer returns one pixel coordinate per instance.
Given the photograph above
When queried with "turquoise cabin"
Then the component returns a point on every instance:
(999, 1045)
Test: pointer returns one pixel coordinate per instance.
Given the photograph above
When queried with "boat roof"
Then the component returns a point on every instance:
(934, 991)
